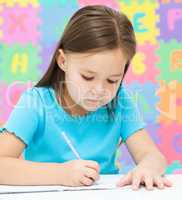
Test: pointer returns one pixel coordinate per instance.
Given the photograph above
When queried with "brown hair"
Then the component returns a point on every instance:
(92, 28)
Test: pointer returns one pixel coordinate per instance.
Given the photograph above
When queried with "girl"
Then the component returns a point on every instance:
(81, 94)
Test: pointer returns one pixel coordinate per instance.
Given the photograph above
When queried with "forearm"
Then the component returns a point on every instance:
(15, 171)
(156, 161)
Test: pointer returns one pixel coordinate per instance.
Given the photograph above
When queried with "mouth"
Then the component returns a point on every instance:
(93, 101)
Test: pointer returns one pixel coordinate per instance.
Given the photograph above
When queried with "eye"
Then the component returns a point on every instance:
(112, 82)
(87, 78)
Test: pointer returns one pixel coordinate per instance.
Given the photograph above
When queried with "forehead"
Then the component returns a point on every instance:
(105, 61)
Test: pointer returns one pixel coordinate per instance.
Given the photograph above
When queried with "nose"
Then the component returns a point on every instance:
(99, 89)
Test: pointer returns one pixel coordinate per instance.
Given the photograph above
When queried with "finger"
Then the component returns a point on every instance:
(136, 182)
(93, 165)
(167, 182)
(86, 181)
(159, 182)
(91, 173)
(126, 180)
(148, 182)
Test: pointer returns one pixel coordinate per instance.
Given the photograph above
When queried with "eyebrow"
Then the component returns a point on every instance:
(92, 72)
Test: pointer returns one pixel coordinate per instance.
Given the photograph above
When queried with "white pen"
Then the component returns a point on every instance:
(67, 140)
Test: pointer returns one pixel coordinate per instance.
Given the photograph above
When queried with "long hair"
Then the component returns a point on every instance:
(91, 29)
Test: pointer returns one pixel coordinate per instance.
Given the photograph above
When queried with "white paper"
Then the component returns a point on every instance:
(109, 181)
(105, 183)
(6, 188)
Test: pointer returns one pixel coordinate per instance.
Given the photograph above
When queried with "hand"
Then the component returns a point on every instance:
(146, 177)
(80, 172)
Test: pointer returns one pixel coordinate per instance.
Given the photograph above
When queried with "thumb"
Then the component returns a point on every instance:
(167, 182)
(126, 180)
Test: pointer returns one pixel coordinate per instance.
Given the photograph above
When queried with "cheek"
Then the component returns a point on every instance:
(76, 86)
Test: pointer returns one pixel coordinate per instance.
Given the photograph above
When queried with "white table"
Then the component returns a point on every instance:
(125, 193)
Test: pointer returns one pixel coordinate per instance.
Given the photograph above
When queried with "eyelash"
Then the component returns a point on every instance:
(91, 78)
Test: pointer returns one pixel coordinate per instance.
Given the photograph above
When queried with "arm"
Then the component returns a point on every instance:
(150, 162)
(145, 153)
(16, 171)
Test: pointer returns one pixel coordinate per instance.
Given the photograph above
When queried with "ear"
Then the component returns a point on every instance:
(61, 60)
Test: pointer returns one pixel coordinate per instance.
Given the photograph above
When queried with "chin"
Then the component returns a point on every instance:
(90, 108)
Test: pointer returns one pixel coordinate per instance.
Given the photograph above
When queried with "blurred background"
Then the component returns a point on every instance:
(30, 29)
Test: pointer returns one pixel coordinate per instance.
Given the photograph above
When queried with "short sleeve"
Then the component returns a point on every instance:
(23, 120)
(130, 114)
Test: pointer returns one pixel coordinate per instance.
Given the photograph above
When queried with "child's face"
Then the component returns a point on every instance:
(92, 80)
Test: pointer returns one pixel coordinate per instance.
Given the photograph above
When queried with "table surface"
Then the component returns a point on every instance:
(127, 193)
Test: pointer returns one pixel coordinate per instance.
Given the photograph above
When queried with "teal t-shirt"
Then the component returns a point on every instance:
(38, 120)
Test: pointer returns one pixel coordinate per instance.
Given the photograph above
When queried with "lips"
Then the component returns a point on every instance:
(93, 100)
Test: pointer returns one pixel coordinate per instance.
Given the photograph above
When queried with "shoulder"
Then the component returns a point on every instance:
(125, 97)
(123, 92)
(36, 91)
(34, 97)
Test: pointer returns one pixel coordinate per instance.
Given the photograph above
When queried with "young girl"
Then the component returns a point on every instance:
(81, 94)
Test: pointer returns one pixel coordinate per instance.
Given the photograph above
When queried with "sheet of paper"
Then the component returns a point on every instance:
(105, 182)
(123, 193)
(6, 188)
